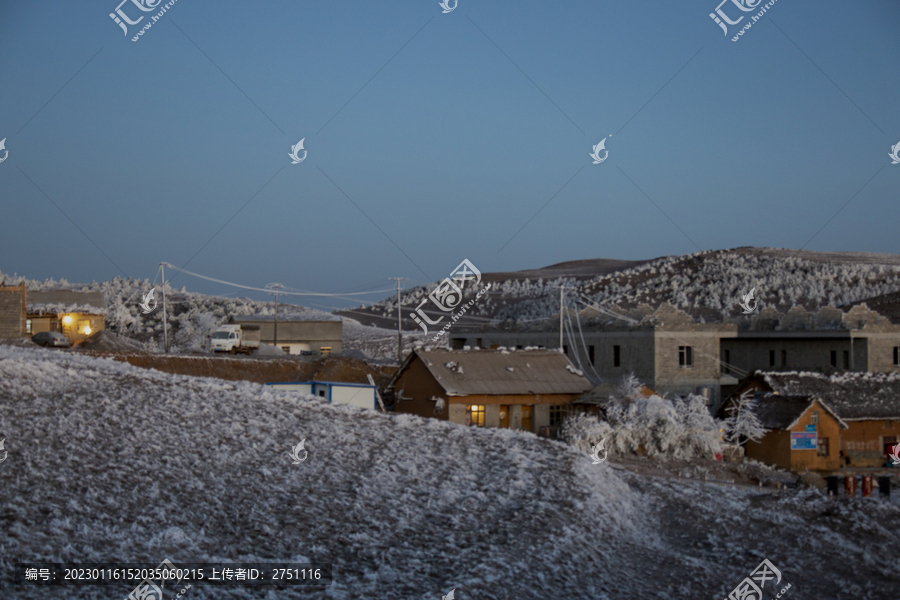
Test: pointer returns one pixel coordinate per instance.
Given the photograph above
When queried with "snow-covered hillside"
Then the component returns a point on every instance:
(108, 462)
(706, 284)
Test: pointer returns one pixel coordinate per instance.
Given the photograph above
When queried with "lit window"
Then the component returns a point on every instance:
(84, 327)
(28, 326)
(475, 415)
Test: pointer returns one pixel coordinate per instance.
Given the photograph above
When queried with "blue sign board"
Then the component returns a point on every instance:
(803, 441)
(810, 428)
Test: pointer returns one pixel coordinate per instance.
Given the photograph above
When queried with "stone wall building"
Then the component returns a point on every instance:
(12, 311)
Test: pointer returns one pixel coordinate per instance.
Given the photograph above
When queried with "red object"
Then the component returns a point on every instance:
(866, 485)
(718, 456)
(850, 485)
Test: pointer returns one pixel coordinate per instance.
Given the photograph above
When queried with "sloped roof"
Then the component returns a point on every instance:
(775, 411)
(65, 301)
(494, 372)
(286, 318)
(853, 396)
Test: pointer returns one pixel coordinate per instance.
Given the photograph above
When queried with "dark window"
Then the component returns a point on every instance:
(478, 342)
(565, 350)
(685, 356)
(726, 370)
(834, 358)
(823, 446)
(559, 413)
(322, 393)
(896, 356)
(287, 349)
(591, 354)
(784, 358)
(457, 343)
(617, 356)
(771, 358)
(846, 359)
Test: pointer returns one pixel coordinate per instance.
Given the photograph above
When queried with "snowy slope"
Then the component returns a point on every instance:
(108, 462)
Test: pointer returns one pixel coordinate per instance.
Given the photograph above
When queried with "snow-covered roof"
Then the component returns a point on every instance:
(494, 372)
(775, 411)
(853, 396)
(65, 301)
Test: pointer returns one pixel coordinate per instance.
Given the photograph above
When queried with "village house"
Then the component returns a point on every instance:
(868, 402)
(75, 314)
(530, 390)
(802, 433)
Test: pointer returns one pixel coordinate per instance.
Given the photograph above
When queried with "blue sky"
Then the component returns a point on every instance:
(472, 122)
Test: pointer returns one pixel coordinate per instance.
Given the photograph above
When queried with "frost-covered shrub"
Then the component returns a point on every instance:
(742, 423)
(682, 428)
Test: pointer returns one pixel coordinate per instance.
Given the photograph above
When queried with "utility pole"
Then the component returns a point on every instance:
(276, 287)
(162, 266)
(561, 318)
(399, 327)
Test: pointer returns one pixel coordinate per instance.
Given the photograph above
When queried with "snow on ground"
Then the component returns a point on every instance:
(109, 462)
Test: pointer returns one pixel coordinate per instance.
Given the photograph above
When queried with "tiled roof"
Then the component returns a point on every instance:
(495, 372)
(853, 396)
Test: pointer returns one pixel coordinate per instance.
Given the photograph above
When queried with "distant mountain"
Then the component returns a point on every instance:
(708, 285)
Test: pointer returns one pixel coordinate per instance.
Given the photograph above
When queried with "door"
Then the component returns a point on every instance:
(504, 416)
(526, 417)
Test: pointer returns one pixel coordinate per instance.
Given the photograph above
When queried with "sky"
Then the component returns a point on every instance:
(432, 137)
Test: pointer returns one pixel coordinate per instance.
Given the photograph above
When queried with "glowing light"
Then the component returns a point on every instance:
(87, 331)
(67, 320)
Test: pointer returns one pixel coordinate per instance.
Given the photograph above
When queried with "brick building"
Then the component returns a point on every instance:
(12, 311)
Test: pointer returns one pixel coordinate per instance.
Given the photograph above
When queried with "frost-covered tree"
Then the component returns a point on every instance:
(743, 424)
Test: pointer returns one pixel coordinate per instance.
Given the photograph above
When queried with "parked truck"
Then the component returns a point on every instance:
(236, 338)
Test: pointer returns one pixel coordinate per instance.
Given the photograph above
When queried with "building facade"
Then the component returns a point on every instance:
(298, 336)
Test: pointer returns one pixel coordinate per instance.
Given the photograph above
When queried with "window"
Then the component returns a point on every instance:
(771, 358)
(823, 446)
(834, 358)
(322, 393)
(565, 350)
(591, 354)
(478, 343)
(287, 349)
(475, 415)
(685, 356)
(725, 368)
(559, 413)
(814, 417)
(897, 356)
(84, 327)
(846, 359)
(617, 356)
(28, 331)
(784, 358)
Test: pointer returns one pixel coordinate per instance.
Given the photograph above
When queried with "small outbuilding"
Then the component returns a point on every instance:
(298, 335)
(354, 394)
(530, 390)
(803, 433)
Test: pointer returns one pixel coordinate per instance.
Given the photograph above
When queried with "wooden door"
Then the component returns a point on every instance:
(504, 416)
(526, 417)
